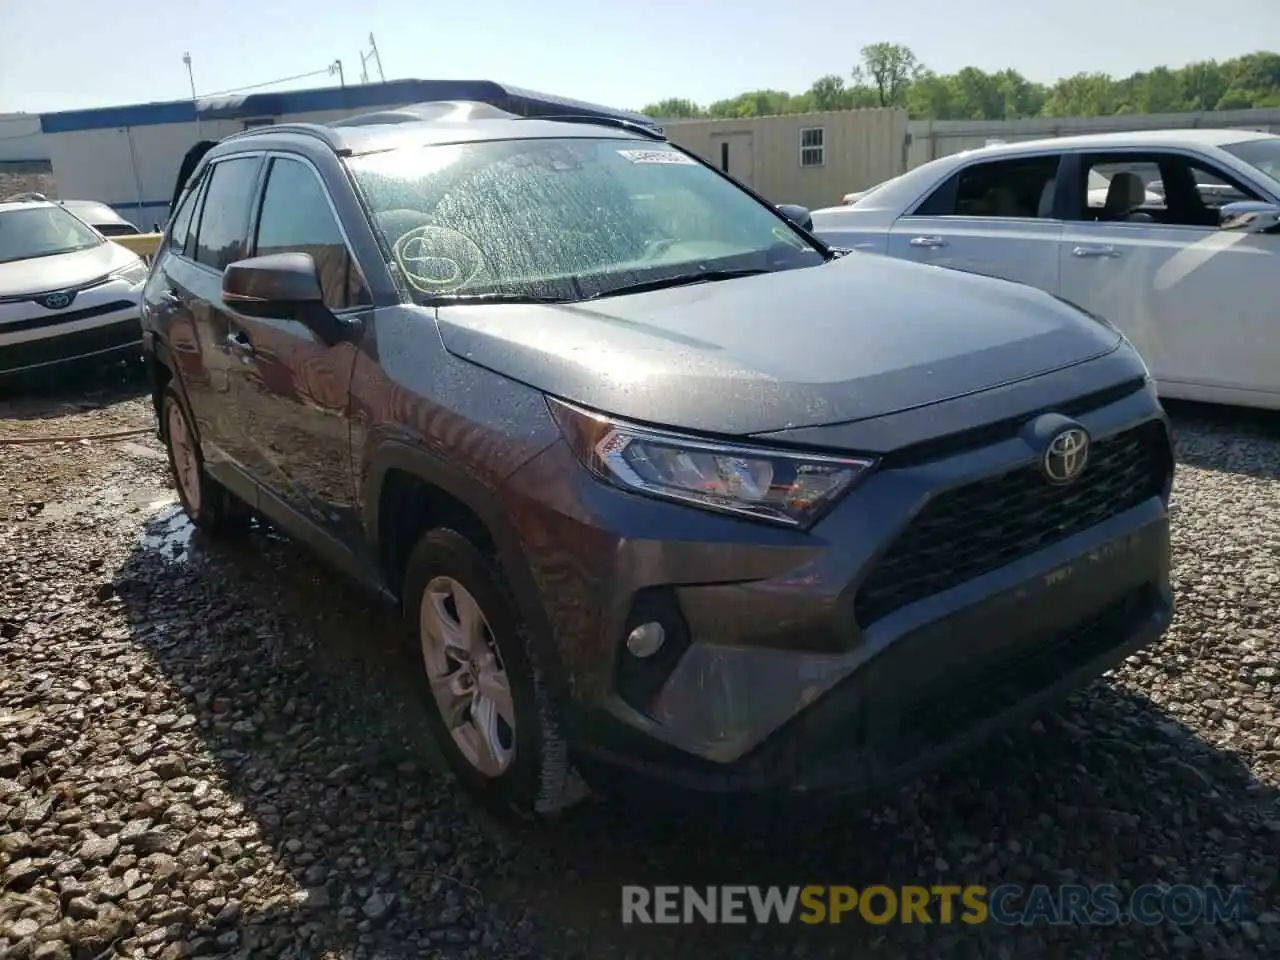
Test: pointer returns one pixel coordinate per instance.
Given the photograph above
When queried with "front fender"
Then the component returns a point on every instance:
(485, 502)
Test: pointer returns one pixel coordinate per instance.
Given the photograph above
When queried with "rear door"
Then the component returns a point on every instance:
(221, 238)
(170, 303)
(995, 217)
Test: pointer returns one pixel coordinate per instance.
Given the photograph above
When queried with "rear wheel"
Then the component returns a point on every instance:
(209, 505)
(488, 707)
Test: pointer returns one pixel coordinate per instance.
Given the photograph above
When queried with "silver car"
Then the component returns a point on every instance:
(66, 292)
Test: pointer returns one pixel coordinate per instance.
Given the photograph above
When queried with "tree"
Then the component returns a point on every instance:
(891, 68)
(757, 103)
(1203, 85)
(977, 95)
(889, 75)
(1083, 95)
(1021, 97)
(674, 107)
(930, 97)
(1158, 91)
(828, 93)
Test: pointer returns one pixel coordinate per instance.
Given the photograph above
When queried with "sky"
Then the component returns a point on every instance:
(72, 54)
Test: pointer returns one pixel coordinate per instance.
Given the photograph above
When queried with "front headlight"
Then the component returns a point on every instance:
(133, 274)
(792, 489)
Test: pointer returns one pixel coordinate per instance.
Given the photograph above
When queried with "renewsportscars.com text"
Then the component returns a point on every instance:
(1009, 904)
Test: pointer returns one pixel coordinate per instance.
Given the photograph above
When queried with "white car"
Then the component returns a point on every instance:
(66, 292)
(1173, 236)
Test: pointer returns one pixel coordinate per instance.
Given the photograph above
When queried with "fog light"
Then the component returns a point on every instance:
(646, 639)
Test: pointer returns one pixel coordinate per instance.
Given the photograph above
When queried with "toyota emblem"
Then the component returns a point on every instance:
(56, 301)
(1065, 458)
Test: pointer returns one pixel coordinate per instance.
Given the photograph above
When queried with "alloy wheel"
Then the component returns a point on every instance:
(186, 465)
(467, 676)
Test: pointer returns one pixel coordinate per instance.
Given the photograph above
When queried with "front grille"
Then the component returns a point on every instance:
(983, 526)
(65, 316)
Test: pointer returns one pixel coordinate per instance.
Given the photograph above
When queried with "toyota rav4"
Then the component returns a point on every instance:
(663, 485)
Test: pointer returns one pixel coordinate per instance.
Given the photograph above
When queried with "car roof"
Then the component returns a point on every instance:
(93, 210)
(907, 186)
(7, 205)
(1129, 139)
(436, 123)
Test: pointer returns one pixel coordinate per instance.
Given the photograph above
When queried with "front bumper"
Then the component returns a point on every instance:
(778, 686)
(101, 321)
(116, 336)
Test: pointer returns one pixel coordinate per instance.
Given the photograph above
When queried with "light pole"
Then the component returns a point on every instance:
(336, 67)
(377, 59)
(364, 62)
(186, 59)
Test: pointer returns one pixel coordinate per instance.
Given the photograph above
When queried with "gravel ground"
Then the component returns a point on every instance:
(218, 750)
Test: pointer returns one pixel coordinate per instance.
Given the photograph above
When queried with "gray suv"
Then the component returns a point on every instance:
(667, 489)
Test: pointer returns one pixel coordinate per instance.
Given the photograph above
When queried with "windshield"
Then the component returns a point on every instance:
(42, 232)
(1263, 154)
(566, 218)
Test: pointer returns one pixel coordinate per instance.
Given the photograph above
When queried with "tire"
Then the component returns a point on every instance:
(209, 506)
(535, 780)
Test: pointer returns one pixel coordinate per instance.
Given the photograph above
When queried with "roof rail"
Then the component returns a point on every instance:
(322, 133)
(429, 110)
(653, 133)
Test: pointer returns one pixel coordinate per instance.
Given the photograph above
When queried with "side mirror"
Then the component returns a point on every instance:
(1249, 216)
(796, 214)
(281, 286)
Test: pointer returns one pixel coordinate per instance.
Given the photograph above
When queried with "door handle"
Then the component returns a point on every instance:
(1090, 251)
(238, 343)
(931, 242)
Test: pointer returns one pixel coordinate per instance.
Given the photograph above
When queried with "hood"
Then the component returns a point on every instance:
(43, 274)
(858, 337)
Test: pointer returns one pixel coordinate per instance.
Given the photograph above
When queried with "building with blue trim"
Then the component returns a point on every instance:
(129, 156)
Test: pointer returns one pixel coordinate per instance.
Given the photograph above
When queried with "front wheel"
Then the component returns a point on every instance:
(488, 707)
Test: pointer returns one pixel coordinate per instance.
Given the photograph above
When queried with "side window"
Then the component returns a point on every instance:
(182, 228)
(1161, 188)
(1119, 187)
(197, 208)
(182, 222)
(1216, 192)
(225, 217)
(296, 218)
(1020, 188)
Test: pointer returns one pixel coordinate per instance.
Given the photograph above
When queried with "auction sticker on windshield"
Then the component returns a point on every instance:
(655, 156)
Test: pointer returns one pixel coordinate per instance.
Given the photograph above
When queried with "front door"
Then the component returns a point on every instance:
(996, 218)
(733, 153)
(293, 387)
(1193, 299)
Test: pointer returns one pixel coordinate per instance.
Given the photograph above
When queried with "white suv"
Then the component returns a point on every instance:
(66, 292)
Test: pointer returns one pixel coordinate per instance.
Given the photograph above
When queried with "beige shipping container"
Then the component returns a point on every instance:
(812, 159)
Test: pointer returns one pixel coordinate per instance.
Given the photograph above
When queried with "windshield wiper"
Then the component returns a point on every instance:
(679, 280)
(461, 299)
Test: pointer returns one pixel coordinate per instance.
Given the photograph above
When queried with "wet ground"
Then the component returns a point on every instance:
(220, 749)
